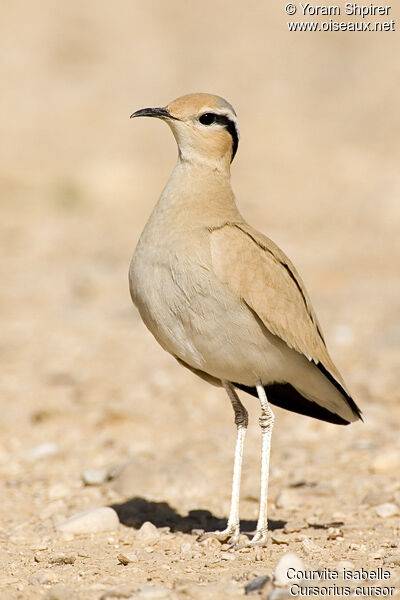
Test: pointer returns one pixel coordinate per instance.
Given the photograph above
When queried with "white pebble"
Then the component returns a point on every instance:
(94, 476)
(387, 510)
(148, 533)
(43, 451)
(42, 578)
(287, 561)
(125, 558)
(186, 547)
(92, 521)
(227, 556)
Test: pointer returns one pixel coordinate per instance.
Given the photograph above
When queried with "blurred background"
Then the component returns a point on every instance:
(317, 170)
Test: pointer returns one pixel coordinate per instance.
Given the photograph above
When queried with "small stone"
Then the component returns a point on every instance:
(148, 533)
(125, 558)
(310, 547)
(386, 463)
(39, 545)
(287, 561)
(375, 498)
(94, 476)
(294, 526)
(44, 450)
(260, 554)
(211, 543)
(60, 592)
(378, 554)
(392, 560)
(387, 510)
(288, 499)
(227, 556)
(339, 516)
(186, 547)
(91, 521)
(257, 584)
(334, 533)
(42, 578)
(279, 539)
(62, 559)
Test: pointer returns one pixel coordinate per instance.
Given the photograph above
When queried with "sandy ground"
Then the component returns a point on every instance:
(84, 385)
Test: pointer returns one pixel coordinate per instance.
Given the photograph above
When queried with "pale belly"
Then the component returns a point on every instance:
(196, 318)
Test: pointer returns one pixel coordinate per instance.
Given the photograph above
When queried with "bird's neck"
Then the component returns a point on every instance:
(200, 194)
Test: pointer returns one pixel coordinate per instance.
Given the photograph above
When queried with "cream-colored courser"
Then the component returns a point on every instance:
(223, 299)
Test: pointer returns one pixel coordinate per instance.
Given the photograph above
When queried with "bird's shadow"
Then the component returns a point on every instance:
(136, 511)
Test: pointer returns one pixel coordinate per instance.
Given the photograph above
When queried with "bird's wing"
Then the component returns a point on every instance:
(262, 276)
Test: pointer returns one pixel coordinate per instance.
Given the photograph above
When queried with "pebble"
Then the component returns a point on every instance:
(279, 539)
(91, 521)
(309, 547)
(60, 592)
(42, 578)
(211, 543)
(125, 558)
(62, 559)
(375, 498)
(148, 533)
(94, 476)
(287, 561)
(392, 560)
(386, 463)
(257, 584)
(388, 509)
(289, 499)
(43, 450)
(334, 533)
(227, 556)
(186, 547)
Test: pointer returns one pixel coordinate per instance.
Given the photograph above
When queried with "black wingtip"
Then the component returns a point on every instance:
(286, 396)
(337, 385)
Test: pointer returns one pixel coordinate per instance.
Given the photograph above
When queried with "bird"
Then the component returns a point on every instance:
(224, 299)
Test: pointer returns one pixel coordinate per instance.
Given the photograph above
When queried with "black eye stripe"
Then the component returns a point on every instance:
(225, 121)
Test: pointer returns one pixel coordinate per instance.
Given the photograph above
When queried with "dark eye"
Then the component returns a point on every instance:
(207, 118)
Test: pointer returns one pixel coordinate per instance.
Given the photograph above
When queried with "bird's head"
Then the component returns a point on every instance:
(205, 128)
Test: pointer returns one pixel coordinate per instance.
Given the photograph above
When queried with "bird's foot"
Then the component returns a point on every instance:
(229, 535)
(260, 538)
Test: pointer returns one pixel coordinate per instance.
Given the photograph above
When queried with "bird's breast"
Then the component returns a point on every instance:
(170, 286)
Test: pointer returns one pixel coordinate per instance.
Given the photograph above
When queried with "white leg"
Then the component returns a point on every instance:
(232, 531)
(266, 423)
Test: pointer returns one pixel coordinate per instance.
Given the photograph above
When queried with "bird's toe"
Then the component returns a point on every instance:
(230, 535)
